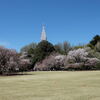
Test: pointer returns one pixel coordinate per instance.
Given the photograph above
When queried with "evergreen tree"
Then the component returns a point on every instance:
(95, 40)
(43, 49)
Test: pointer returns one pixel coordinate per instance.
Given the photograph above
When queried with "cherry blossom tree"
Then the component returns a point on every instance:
(76, 56)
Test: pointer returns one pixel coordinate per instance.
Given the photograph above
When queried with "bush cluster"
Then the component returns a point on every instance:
(75, 60)
(10, 62)
(53, 62)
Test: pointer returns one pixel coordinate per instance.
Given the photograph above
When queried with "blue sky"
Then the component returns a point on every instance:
(76, 21)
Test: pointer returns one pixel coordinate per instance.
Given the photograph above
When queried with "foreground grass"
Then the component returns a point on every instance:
(51, 86)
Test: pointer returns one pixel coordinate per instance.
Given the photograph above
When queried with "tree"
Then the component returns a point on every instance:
(29, 48)
(31, 51)
(43, 49)
(95, 40)
(9, 61)
(77, 56)
(63, 48)
(66, 47)
(97, 47)
(59, 48)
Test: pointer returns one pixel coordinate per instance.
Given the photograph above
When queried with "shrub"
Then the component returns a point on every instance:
(93, 54)
(81, 59)
(92, 63)
(25, 65)
(52, 62)
(75, 66)
(90, 45)
(97, 66)
(25, 62)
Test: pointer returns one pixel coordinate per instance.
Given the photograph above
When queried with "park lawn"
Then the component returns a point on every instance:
(62, 85)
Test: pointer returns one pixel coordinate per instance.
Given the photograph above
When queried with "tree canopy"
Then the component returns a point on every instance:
(43, 49)
(95, 40)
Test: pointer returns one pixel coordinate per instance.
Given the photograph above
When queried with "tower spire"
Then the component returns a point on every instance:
(43, 33)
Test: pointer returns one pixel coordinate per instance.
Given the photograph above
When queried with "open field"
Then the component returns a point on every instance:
(83, 85)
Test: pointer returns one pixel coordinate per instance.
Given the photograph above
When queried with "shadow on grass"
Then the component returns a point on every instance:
(17, 74)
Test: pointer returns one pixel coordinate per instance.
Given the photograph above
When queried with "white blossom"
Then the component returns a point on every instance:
(78, 55)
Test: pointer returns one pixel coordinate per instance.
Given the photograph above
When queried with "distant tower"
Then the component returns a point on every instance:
(43, 34)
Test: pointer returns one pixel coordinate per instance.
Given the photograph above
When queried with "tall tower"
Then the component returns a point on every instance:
(43, 34)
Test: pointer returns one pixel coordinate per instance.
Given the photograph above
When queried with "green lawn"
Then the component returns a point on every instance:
(83, 85)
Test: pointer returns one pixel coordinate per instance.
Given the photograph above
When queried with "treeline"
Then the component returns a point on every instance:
(63, 56)
(45, 56)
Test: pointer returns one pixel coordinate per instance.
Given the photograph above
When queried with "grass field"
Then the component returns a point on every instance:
(83, 85)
